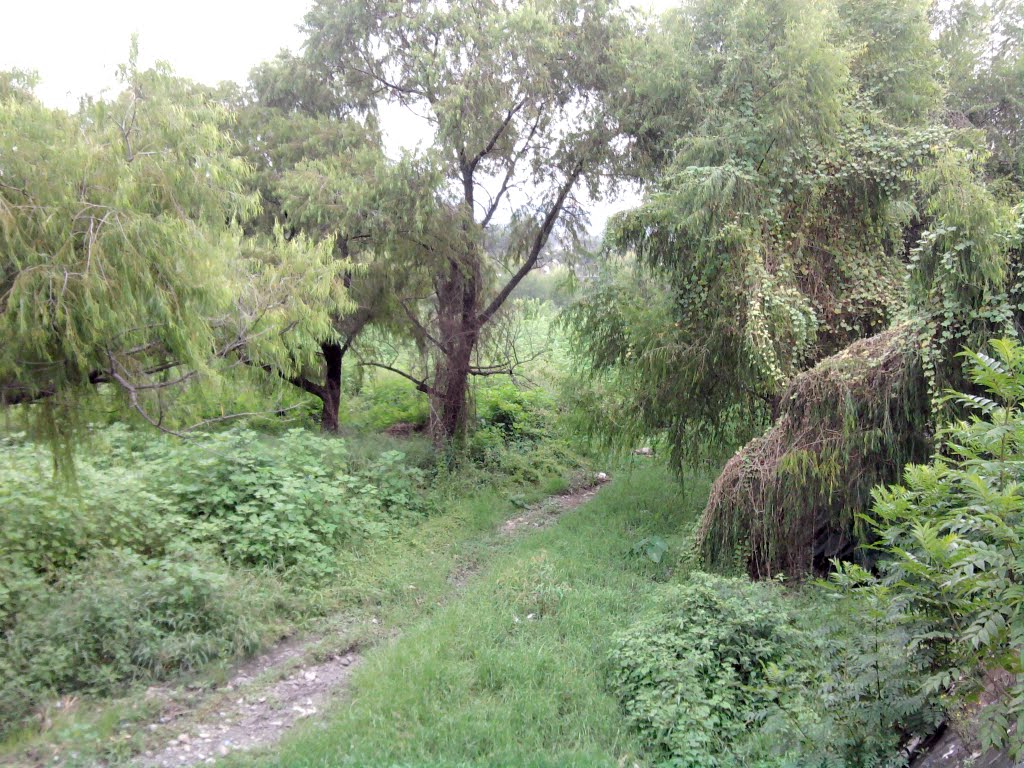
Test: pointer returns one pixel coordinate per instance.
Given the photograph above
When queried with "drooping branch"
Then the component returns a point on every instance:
(421, 385)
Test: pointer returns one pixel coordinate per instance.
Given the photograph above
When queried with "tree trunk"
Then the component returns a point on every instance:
(459, 327)
(449, 401)
(331, 391)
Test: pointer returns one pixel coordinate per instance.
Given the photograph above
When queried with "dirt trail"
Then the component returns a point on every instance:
(548, 511)
(253, 710)
(271, 693)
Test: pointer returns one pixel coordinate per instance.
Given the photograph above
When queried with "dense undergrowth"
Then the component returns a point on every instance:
(162, 556)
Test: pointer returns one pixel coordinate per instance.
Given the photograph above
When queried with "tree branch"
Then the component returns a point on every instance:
(421, 386)
(489, 147)
(539, 241)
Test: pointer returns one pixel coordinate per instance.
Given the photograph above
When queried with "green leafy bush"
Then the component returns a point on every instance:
(122, 617)
(692, 675)
(388, 402)
(287, 502)
(516, 413)
(48, 526)
(953, 534)
(155, 559)
(725, 672)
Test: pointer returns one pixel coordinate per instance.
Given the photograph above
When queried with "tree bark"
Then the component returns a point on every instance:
(330, 393)
(458, 323)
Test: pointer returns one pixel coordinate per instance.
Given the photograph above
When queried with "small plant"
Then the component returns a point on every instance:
(652, 547)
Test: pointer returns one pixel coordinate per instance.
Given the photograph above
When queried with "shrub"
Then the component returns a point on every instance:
(390, 401)
(691, 676)
(48, 526)
(120, 618)
(517, 414)
(953, 533)
(725, 672)
(288, 502)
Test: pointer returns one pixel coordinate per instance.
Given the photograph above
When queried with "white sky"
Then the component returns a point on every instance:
(76, 46)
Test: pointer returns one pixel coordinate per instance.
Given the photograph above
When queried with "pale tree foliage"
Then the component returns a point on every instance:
(513, 97)
(322, 174)
(119, 262)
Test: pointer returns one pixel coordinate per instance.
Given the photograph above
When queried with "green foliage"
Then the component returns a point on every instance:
(518, 414)
(790, 500)
(287, 502)
(123, 617)
(951, 534)
(981, 45)
(158, 558)
(724, 673)
(122, 261)
(386, 402)
(783, 155)
(630, 385)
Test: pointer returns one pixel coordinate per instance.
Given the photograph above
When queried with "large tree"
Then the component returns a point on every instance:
(120, 263)
(818, 243)
(320, 172)
(777, 152)
(511, 102)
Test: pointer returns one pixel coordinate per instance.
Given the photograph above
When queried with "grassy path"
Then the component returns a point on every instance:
(512, 672)
(269, 694)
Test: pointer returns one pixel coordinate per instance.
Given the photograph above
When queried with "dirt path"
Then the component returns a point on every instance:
(548, 511)
(254, 709)
(271, 693)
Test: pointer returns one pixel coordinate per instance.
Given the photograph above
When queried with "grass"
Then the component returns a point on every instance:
(513, 672)
(381, 586)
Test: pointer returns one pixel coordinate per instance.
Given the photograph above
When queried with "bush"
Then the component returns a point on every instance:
(47, 526)
(288, 502)
(725, 672)
(517, 414)
(284, 502)
(691, 676)
(122, 617)
(953, 534)
(387, 402)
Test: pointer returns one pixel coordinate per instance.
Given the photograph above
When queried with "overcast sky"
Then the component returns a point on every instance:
(76, 46)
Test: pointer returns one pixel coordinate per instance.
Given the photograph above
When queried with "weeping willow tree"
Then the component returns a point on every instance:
(809, 196)
(120, 266)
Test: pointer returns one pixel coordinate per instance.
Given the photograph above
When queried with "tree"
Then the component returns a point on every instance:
(981, 44)
(778, 158)
(824, 244)
(323, 174)
(120, 261)
(512, 96)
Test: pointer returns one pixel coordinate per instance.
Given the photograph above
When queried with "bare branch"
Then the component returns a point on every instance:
(539, 241)
(421, 386)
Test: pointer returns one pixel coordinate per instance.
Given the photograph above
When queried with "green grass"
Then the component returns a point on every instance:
(479, 682)
(379, 587)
